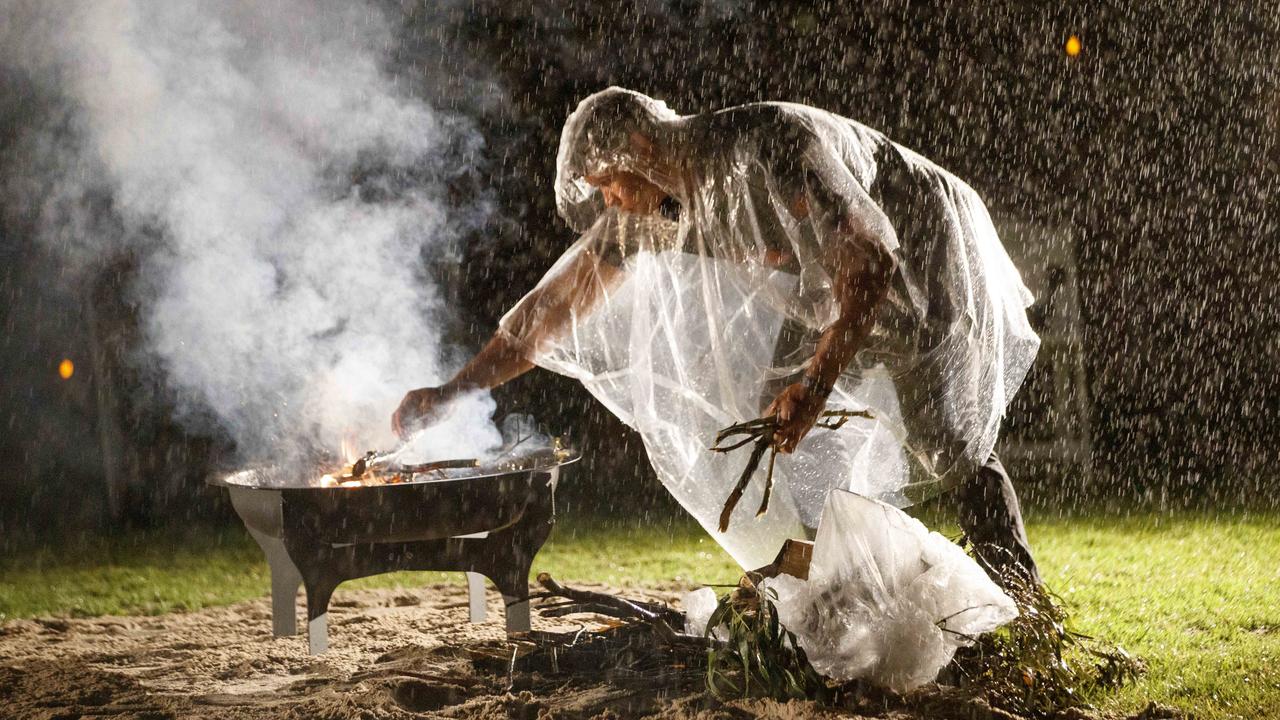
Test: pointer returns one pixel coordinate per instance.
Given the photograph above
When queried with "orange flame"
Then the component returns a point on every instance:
(66, 369)
(349, 451)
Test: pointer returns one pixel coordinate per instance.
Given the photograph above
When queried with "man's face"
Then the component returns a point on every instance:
(629, 192)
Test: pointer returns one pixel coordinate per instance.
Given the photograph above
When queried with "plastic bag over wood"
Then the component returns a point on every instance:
(886, 600)
(693, 318)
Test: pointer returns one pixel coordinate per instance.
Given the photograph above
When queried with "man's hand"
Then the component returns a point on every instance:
(797, 409)
(420, 407)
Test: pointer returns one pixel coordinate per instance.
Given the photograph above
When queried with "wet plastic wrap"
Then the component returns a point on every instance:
(699, 605)
(694, 318)
(886, 600)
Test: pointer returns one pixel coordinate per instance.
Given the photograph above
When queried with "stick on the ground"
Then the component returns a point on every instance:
(623, 608)
(658, 617)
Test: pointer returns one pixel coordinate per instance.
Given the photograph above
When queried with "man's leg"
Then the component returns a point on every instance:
(992, 522)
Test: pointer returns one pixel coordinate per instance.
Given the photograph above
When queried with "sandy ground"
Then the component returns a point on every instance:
(393, 654)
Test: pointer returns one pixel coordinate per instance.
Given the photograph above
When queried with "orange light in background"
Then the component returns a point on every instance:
(1074, 46)
(66, 369)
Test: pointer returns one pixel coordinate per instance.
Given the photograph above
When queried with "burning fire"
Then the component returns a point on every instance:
(361, 470)
(348, 445)
(358, 469)
(372, 468)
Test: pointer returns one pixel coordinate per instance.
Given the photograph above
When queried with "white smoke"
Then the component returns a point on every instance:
(281, 193)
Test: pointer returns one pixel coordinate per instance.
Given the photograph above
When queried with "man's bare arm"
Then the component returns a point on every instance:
(861, 270)
(503, 358)
(861, 274)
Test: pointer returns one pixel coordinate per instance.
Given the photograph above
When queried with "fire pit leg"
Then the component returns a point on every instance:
(508, 557)
(285, 580)
(517, 613)
(513, 582)
(475, 586)
(318, 618)
(318, 635)
(263, 515)
(475, 596)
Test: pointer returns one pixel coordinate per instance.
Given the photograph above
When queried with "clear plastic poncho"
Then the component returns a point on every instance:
(692, 319)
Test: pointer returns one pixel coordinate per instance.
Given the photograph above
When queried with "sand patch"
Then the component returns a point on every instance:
(393, 654)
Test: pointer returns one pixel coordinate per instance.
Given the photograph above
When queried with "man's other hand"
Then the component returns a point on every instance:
(797, 409)
(420, 407)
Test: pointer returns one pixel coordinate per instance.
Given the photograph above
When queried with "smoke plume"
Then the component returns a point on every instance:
(281, 194)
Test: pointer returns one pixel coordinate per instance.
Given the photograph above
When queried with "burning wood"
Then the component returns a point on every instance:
(374, 468)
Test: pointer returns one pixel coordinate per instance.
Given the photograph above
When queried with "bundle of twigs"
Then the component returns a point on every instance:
(761, 432)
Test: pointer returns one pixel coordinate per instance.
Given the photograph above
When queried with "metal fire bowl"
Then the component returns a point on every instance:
(484, 523)
(401, 512)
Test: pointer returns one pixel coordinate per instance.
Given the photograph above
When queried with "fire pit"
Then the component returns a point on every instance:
(485, 520)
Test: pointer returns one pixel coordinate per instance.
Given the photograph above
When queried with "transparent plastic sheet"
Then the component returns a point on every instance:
(699, 605)
(684, 322)
(886, 600)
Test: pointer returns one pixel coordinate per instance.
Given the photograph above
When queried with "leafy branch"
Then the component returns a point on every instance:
(759, 657)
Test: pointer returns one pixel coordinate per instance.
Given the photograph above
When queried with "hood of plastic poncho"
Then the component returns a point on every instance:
(596, 137)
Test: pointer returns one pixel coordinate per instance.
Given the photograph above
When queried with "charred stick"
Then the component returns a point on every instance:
(835, 419)
(437, 465)
(761, 432)
(573, 608)
(765, 442)
(637, 609)
(768, 483)
(658, 617)
(726, 448)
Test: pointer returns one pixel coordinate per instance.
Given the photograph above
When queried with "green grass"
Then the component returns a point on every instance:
(151, 573)
(1197, 597)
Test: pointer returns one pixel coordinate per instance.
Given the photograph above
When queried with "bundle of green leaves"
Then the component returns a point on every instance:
(759, 656)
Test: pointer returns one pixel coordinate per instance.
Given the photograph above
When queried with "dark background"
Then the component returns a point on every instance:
(1155, 149)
